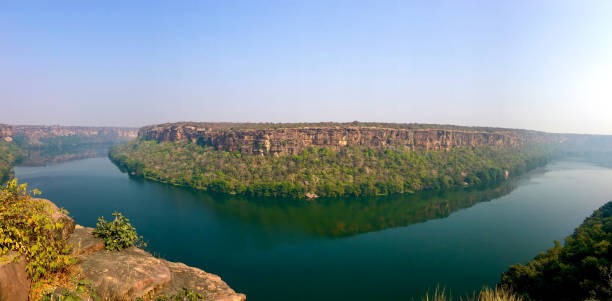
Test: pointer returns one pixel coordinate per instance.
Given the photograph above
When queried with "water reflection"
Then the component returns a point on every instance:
(340, 217)
(41, 156)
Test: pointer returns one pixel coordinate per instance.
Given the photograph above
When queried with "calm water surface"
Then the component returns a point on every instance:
(374, 249)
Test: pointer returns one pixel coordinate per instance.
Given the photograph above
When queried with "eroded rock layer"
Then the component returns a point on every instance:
(279, 139)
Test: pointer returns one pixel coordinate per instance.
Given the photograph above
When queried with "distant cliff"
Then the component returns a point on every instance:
(309, 160)
(43, 144)
(278, 139)
(35, 134)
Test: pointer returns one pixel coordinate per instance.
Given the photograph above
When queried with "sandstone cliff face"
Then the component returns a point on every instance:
(291, 139)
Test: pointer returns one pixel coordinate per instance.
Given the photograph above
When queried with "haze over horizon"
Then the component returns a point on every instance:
(539, 65)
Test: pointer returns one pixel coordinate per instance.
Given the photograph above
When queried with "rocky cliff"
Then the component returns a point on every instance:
(279, 139)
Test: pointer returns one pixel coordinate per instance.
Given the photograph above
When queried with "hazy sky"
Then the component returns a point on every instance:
(544, 65)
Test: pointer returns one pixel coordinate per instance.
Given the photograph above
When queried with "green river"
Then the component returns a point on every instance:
(392, 248)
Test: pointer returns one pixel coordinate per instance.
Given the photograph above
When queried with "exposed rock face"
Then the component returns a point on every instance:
(124, 275)
(292, 138)
(133, 273)
(14, 282)
(34, 133)
(209, 285)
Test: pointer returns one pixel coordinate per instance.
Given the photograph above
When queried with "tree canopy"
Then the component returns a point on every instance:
(351, 171)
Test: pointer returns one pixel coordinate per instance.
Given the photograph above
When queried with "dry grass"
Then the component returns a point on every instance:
(51, 282)
(486, 294)
(439, 294)
(497, 294)
(69, 282)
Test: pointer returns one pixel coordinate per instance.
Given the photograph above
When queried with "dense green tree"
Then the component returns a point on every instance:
(350, 171)
(10, 153)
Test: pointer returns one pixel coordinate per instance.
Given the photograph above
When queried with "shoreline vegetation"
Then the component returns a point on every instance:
(354, 171)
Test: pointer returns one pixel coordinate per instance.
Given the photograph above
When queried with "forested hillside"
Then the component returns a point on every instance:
(320, 171)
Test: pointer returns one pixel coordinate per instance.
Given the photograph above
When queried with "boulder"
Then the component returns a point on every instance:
(124, 275)
(82, 241)
(14, 281)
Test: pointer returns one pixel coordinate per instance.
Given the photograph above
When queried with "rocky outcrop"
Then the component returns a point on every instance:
(114, 275)
(133, 273)
(279, 139)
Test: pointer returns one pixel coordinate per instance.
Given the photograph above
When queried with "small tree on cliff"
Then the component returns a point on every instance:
(118, 234)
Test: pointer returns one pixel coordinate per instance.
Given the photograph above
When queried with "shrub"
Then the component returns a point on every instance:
(26, 227)
(118, 234)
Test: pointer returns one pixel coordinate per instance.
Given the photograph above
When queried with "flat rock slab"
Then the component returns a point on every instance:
(124, 275)
(209, 285)
(133, 273)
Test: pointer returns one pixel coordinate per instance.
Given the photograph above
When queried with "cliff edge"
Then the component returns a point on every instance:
(99, 274)
(289, 138)
(134, 273)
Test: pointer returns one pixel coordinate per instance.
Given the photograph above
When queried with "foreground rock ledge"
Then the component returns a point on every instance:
(115, 275)
(133, 273)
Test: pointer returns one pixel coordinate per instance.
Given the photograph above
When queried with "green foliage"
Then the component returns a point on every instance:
(9, 154)
(26, 227)
(118, 234)
(582, 269)
(351, 171)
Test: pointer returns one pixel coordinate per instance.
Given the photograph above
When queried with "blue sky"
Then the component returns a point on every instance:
(544, 65)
